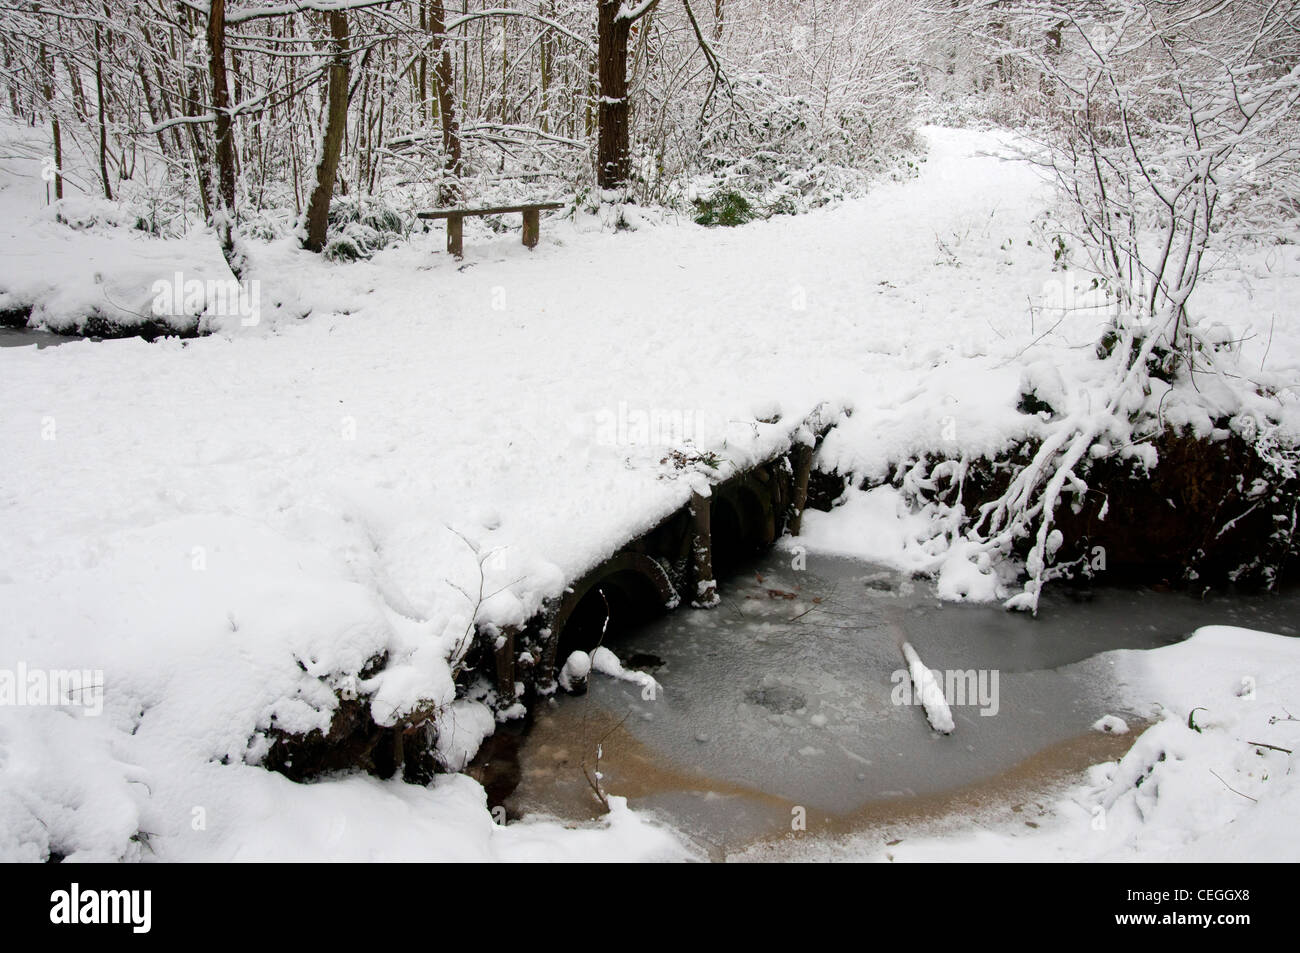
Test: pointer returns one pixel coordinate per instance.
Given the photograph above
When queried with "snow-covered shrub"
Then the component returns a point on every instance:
(727, 208)
(356, 242)
(374, 216)
(1155, 127)
(806, 106)
(85, 212)
(267, 224)
(357, 231)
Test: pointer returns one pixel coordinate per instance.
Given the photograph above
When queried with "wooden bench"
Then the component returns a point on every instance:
(456, 218)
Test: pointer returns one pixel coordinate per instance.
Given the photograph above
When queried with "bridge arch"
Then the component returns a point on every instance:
(744, 522)
(630, 586)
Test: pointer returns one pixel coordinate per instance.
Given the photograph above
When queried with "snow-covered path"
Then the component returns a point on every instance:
(494, 392)
(225, 526)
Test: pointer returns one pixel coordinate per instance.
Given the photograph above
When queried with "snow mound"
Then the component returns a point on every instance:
(1111, 724)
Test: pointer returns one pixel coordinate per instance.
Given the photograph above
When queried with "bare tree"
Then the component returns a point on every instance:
(445, 84)
(222, 204)
(318, 207)
(614, 22)
(234, 100)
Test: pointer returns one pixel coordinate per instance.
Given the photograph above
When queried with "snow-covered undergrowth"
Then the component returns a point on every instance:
(985, 499)
(1213, 779)
(241, 530)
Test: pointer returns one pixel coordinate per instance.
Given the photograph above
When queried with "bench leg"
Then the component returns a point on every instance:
(532, 227)
(455, 236)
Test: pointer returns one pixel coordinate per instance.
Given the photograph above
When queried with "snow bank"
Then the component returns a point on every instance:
(1180, 788)
(881, 526)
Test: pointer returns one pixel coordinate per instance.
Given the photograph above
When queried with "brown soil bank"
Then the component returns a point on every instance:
(1210, 513)
(1207, 514)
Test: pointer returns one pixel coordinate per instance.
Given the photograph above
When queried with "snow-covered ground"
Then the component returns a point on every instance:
(228, 527)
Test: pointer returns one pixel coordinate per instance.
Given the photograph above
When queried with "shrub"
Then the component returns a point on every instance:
(727, 208)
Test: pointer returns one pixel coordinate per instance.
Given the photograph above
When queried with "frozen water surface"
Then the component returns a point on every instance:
(788, 694)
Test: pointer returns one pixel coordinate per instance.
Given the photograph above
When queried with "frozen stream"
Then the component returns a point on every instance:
(24, 337)
(783, 698)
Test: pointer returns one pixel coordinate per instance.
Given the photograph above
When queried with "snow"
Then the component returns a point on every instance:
(363, 819)
(1111, 724)
(928, 687)
(607, 663)
(575, 670)
(83, 257)
(233, 527)
(462, 730)
(880, 526)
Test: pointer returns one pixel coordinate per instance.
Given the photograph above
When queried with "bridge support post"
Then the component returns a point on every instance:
(399, 748)
(706, 587)
(802, 469)
(545, 679)
(504, 653)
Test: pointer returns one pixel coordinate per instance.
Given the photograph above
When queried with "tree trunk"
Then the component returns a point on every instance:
(223, 206)
(424, 69)
(47, 76)
(613, 151)
(198, 142)
(151, 110)
(103, 125)
(13, 84)
(58, 159)
(318, 206)
(164, 107)
(445, 80)
(545, 57)
(78, 91)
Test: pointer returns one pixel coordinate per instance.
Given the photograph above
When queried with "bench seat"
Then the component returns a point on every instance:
(456, 217)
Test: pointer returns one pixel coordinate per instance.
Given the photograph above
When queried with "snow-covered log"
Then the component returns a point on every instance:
(929, 690)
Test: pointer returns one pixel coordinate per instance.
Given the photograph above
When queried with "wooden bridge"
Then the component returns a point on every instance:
(677, 561)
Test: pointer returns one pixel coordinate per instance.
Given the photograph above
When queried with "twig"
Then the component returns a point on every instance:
(1271, 321)
(597, 788)
(595, 781)
(1231, 788)
(1260, 744)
